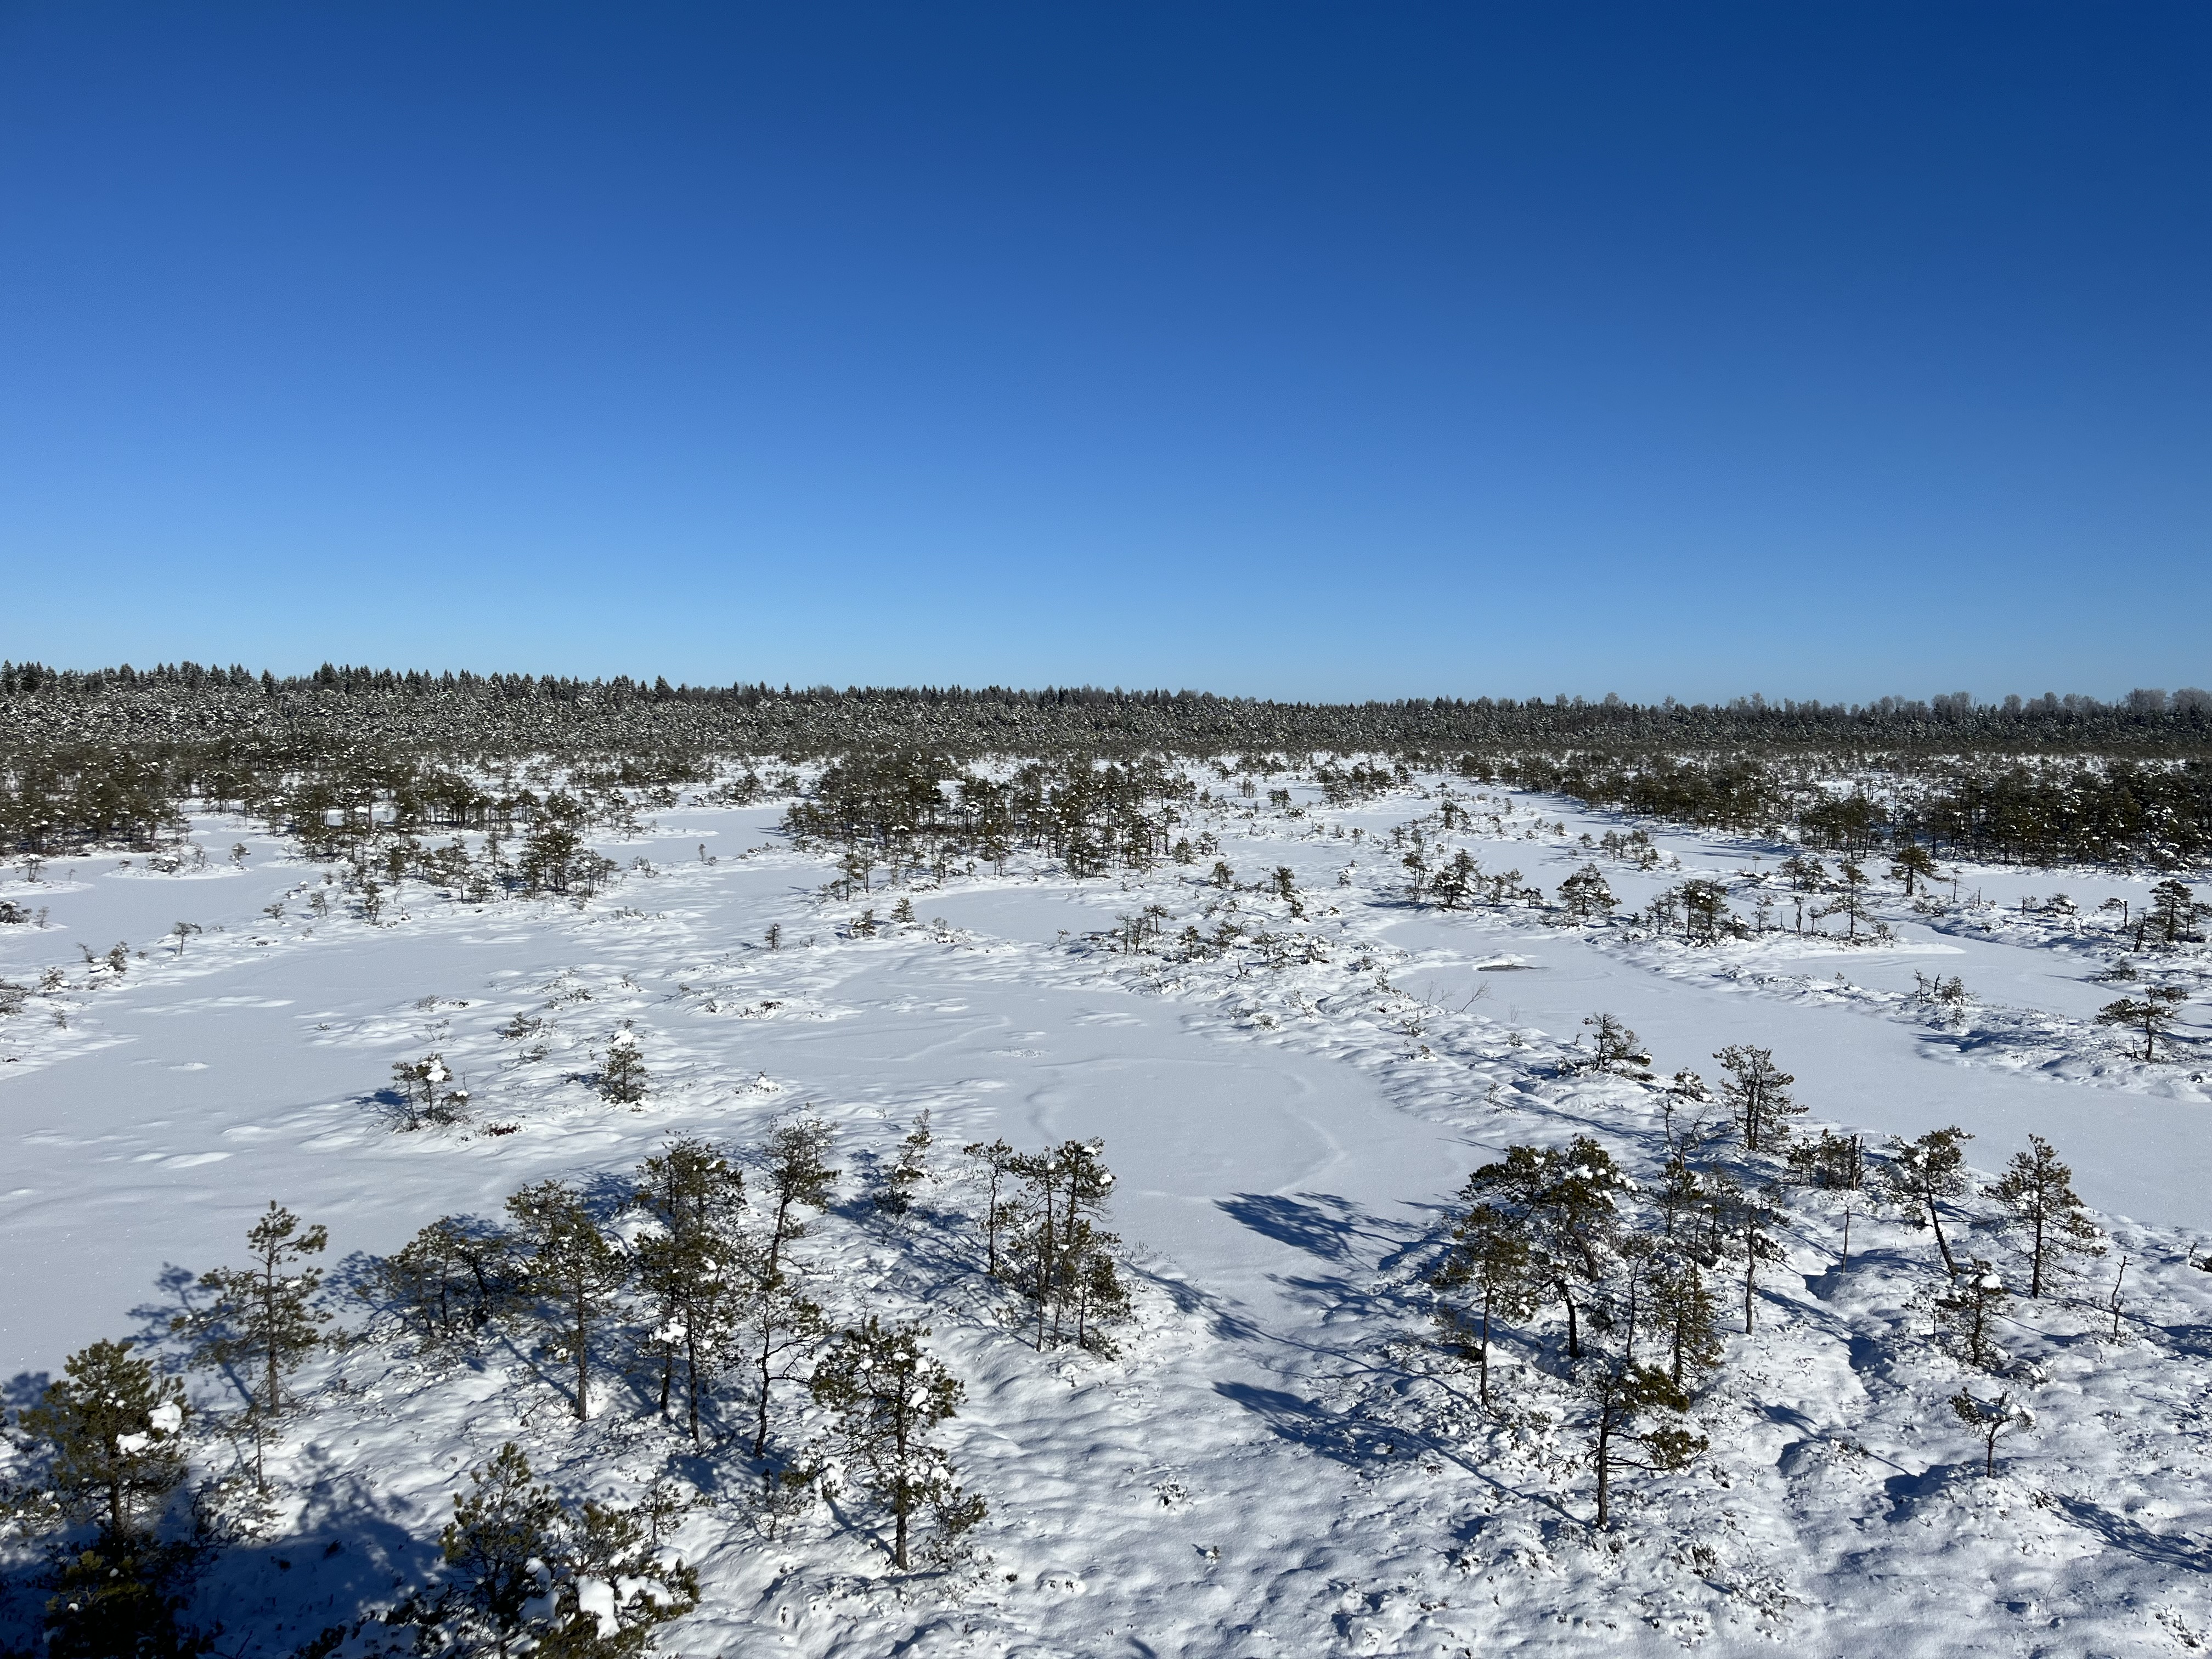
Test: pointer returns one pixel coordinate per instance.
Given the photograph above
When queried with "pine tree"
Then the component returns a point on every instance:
(2151, 1013)
(114, 1429)
(1585, 896)
(1562, 1203)
(1989, 1418)
(1757, 1092)
(888, 1394)
(501, 1533)
(623, 1077)
(690, 1261)
(1922, 1173)
(894, 1196)
(1912, 863)
(1969, 1305)
(1057, 1243)
(447, 1282)
(1619, 1396)
(263, 1321)
(572, 1270)
(1614, 1047)
(1491, 1263)
(1685, 1314)
(784, 1326)
(2037, 1192)
(994, 1161)
(2174, 909)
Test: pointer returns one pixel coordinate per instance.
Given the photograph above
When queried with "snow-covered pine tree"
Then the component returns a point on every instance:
(887, 1394)
(262, 1321)
(112, 1433)
(690, 1261)
(622, 1077)
(2037, 1194)
(1921, 1174)
(1757, 1092)
(1685, 1313)
(1968, 1306)
(1989, 1418)
(782, 1326)
(1584, 895)
(572, 1271)
(1561, 1202)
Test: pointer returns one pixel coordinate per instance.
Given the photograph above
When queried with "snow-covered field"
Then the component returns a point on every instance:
(1277, 1463)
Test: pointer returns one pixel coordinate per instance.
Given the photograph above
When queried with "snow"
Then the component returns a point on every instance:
(1275, 1465)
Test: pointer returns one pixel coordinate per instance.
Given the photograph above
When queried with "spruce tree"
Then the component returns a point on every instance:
(263, 1321)
(2037, 1193)
(888, 1394)
(572, 1271)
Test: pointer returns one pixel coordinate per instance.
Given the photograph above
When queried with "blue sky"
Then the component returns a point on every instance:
(1302, 351)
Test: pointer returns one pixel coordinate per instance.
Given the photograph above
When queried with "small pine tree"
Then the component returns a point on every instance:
(2037, 1193)
(2174, 909)
(1490, 1263)
(263, 1321)
(1989, 1418)
(689, 1261)
(908, 1174)
(623, 1077)
(497, 1542)
(1757, 1092)
(887, 1394)
(1584, 895)
(1686, 1313)
(572, 1271)
(1921, 1174)
(994, 1161)
(2150, 1013)
(1614, 1048)
(784, 1326)
(113, 1428)
(1969, 1306)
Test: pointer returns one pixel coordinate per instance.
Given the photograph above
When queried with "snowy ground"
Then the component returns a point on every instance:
(1272, 1467)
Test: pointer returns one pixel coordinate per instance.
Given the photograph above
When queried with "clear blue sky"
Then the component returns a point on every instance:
(1306, 350)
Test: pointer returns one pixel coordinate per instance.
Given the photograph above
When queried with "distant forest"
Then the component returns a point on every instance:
(110, 757)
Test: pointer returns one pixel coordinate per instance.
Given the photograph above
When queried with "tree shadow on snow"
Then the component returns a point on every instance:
(2140, 1541)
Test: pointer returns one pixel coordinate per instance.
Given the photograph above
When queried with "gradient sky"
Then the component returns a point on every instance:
(1303, 350)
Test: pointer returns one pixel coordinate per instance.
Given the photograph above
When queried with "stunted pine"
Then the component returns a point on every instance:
(2037, 1194)
(1757, 1093)
(263, 1321)
(887, 1394)
(572, 1271)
